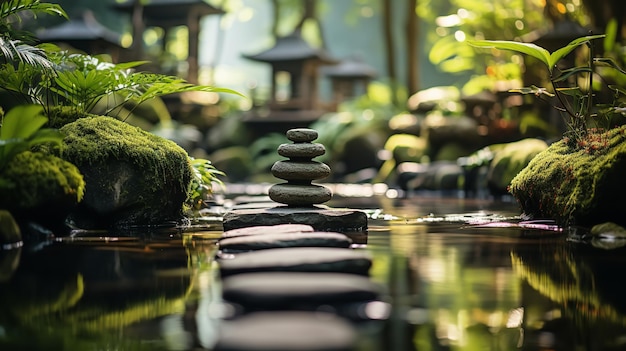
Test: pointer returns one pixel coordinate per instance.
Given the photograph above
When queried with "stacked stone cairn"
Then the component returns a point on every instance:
(294, 279)
(300, 170)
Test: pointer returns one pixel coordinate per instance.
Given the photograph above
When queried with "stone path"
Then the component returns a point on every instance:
(294, 289)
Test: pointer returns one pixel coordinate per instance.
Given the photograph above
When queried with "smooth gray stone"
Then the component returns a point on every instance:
(266, 229)
(301, 150)
(272, 240)
(287, 290)
(286, 331)
(299, 195)
(322, 218)
(300, 170)
(302, 135)
(298, 259)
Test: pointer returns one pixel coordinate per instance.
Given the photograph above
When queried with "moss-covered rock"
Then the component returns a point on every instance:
(577, 183)
(58, 116)
(509, 159)
(40, 186)
(132, 177)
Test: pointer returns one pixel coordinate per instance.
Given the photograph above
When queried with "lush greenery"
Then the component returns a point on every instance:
(47, 81)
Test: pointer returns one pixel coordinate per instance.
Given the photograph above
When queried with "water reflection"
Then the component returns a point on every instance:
(460, 275)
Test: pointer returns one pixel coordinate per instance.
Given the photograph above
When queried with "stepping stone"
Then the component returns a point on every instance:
(266, 229)
(346, 294)
(286, 331)
(298, 259)
(323, 219)
(281, 240)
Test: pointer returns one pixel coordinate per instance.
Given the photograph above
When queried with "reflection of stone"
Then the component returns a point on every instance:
(272, 240)
(300, 170)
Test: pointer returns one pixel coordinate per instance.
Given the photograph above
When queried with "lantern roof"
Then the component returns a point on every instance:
(352, 67)
(291, 48)
(85, 28)
(169, 13)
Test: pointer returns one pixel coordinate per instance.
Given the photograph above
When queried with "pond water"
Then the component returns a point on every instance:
(459, 274)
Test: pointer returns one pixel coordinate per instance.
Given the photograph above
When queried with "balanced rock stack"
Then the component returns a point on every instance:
(300, 170)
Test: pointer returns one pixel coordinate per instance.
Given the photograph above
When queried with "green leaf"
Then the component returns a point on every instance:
(530, 49)
(22, 122)
(573, 91)
(562, 52)
(570, 72)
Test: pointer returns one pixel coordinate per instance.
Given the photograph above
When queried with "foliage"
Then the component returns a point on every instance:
(205, 175)
(81, 81)
(15, 45)
(21, 129)
(575, 101)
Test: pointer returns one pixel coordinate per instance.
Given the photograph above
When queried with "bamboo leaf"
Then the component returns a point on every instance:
(570, 72)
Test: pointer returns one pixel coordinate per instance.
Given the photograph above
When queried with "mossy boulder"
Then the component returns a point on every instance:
(40, 187)
(578, 183)
(132, 177)
(509, 159)
(9, 231)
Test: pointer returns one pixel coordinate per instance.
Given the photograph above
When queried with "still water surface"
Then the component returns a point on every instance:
(460, 274)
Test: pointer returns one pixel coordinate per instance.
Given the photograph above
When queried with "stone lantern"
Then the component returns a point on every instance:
(349, 79)
(294, 87)
(168, 14)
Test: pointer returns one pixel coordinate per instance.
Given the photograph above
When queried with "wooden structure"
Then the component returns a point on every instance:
(84, 33)
(349, 79)
(294, 88)
(167, 14)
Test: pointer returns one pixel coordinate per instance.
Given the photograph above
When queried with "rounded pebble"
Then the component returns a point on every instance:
(299, 195)
(300, 170)
(302, 135)
(301, 150)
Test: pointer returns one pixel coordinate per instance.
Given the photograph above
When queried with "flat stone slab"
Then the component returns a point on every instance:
(288, 290)
(298, 259)
(286, 331)
(322, 219)
(267, 229)
(282, 240)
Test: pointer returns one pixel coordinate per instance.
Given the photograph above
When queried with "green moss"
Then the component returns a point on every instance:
(581, 183)
(58, 116)
(33, 179)
(94, 140)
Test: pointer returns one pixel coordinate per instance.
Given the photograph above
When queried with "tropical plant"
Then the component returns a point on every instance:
(16, 45)
(21, 129)
(575, 100)
(205, 175)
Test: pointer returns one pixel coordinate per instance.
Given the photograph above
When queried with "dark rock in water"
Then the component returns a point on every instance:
(298, 291)
(278, 240)
(298, 259)
(286, 331)
(304, 150)
(267, 229)
(132, 177)
(323, 219)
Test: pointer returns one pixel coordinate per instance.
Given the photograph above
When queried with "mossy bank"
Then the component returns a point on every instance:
(577, 183)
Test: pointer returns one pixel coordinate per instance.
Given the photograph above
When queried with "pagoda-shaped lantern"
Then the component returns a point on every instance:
(167, 14)
(349, 78)
(295, 70)
(84, 33)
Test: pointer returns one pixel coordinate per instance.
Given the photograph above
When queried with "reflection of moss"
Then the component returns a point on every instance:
(576, 183)
(33, 179)
(574, 288)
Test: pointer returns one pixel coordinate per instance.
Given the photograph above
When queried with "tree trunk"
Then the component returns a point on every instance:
(412, 35)
(390, 49)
